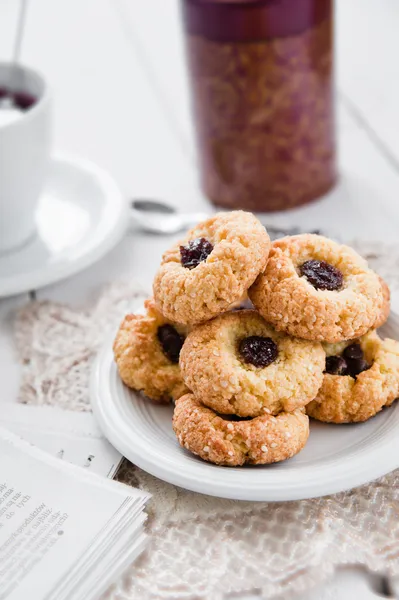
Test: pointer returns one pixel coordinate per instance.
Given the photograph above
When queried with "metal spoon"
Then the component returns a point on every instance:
(160, 218)
(8, 101)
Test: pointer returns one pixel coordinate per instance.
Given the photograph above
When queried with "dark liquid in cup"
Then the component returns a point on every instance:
(21, 100)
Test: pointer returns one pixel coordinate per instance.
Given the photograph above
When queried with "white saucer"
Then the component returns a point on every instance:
(81, 216)
(336, 457)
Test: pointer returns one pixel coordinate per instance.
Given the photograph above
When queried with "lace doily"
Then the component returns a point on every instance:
(205, 548)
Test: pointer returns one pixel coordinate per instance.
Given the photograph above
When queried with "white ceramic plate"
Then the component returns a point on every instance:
(80, 217)
(336, 457)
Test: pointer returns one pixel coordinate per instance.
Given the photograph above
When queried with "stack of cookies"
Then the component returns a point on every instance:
(250, 338)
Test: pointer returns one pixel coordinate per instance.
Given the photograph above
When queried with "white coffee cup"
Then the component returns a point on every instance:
(24, 155)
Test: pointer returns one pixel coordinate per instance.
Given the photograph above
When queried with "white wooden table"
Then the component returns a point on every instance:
(117, 72)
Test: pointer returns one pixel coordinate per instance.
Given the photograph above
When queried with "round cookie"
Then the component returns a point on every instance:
(238, 364)
(316, 289)
(386, 304)
(211, 268)
(373, 383)
(263, 440)
(146, 350)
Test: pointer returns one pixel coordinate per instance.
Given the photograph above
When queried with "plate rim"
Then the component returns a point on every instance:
(39, 277)
(351, 478)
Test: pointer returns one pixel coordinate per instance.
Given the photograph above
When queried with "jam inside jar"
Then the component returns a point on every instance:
(262, 86)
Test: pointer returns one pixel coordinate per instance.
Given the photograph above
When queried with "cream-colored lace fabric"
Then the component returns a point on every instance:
(205, 548)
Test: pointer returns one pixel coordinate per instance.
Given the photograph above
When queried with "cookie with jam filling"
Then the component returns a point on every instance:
(361, 378)
(317, 289)
(211, 269)
(146, 351)
(239, 364)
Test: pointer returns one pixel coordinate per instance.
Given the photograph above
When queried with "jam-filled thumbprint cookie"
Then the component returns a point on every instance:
(317, 289)
(259, 441)
(239, 364)
(212, 268)
(146, 351)
(360, 378)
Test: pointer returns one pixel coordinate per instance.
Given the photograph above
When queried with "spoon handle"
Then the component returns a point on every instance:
(164, 224)
(19, 35)
(20, 31)
(157, 217)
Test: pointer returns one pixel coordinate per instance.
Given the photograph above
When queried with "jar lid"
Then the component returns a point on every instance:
(233, 1)
(252, 20)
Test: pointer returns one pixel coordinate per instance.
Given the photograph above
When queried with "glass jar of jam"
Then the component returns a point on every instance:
(262, 87)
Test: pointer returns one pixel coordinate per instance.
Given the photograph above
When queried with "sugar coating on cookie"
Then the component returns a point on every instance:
(214, 364)
(298, 294)
(211, 268)
(386, 304)
(347, 399)
(146, 351)
(259, 441)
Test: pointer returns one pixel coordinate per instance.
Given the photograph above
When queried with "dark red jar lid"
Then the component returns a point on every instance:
(252, 20)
